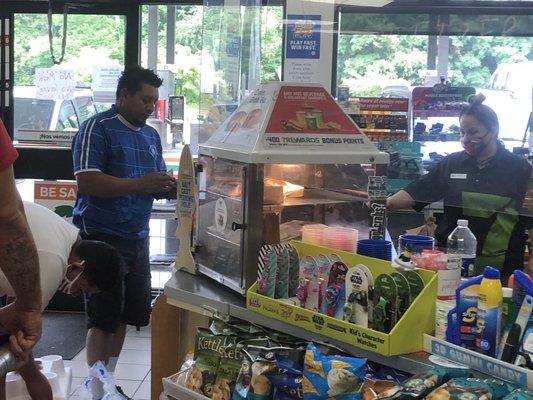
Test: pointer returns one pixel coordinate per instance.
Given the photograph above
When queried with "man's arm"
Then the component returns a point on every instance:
(400, 200)
(20, 265)
(98, 184)
(20, 262)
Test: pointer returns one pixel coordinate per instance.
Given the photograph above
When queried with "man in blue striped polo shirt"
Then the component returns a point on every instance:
(119, 167)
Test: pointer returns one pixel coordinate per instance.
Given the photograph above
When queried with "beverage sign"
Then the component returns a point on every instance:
(55, 83)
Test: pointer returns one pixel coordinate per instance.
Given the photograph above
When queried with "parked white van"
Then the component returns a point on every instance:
(55, 115)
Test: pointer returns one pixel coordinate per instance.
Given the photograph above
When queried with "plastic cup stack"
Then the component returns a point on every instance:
(375, 248)
(313, 234)
(341, 239)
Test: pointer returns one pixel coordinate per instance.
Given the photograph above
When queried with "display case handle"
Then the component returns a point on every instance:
(235, 226)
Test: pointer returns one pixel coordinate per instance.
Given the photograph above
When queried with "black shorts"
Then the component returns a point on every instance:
(130, 300)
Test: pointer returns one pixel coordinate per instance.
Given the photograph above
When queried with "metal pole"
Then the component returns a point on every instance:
(152, 37)
(442, 56)
(171, 33)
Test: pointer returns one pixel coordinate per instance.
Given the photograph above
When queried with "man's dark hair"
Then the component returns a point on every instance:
(133, 78)
(102, 263)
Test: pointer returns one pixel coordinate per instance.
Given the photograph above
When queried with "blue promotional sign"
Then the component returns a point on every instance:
(303, 36)
(487, 365)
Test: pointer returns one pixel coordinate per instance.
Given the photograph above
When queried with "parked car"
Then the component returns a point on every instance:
(55, 115)
(509, 93)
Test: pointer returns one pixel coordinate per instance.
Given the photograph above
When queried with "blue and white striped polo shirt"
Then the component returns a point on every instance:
(109, 144)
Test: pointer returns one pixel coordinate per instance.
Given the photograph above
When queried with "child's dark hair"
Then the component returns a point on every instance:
(102, 263)
(133, 78)
(484, 114)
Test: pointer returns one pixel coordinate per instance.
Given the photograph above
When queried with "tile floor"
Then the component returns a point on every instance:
(133, 368)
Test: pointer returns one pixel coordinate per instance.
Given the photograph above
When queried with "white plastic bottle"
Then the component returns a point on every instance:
(463, 242)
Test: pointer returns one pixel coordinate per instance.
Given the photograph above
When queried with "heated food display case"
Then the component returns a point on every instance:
(286, 158)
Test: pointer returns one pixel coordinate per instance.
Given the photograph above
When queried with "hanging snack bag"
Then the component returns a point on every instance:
(228, 372)
(420, 385)
(294, 269)
(253, 382)
(287, 381)
(332, 377)
(267, 271)
(207, 353)
(519, 394)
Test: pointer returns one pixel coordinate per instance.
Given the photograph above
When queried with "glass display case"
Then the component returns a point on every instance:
(252, 191)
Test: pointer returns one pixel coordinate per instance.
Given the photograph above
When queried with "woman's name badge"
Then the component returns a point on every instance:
(458, 176)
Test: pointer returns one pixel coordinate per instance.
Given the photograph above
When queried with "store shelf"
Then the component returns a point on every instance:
(218, 237)
(201, 294)
(224, 196)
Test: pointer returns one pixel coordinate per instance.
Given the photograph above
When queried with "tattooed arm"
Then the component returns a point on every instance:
(19, 263)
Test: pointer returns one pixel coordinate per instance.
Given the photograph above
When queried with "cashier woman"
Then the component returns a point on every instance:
(484, 184)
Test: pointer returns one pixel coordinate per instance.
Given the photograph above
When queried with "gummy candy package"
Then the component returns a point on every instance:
(469, 388)
(332, 377)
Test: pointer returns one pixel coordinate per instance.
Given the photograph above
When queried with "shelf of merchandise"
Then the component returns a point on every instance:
(202, 295)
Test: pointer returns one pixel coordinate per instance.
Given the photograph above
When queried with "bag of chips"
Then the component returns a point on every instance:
(332, 377)
(469, 388)
(253, 382)
(420, 385)
(519, 394)
(228, 372)
(208, 351)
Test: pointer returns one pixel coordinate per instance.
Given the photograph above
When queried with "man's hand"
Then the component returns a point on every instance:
(156, 182)
(25, 327)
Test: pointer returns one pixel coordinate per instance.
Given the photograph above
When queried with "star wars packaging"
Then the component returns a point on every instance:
(416, 283)
(404, 293)
(384, 307)
(324, 269)
(469, 388)
(208, 350)
(356, 306)
(370, 279)
(335, 296)
(309, 285)
(332, 377)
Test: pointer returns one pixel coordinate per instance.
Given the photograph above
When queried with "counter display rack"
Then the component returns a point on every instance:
(204, 296)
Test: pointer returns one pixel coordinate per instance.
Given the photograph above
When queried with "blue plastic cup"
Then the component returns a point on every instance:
(415, 243)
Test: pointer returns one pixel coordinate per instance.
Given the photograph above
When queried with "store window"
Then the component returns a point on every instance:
(104, 46)
(388, 55)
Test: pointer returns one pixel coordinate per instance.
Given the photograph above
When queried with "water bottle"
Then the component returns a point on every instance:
(8, 362)
(463, 242)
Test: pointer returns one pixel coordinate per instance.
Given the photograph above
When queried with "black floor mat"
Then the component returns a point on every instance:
(63, 334)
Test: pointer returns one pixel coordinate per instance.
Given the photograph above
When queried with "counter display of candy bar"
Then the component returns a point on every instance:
(287, 157)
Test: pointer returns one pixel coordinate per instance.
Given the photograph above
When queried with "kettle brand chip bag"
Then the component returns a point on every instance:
(228, 371)
(208, 351)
